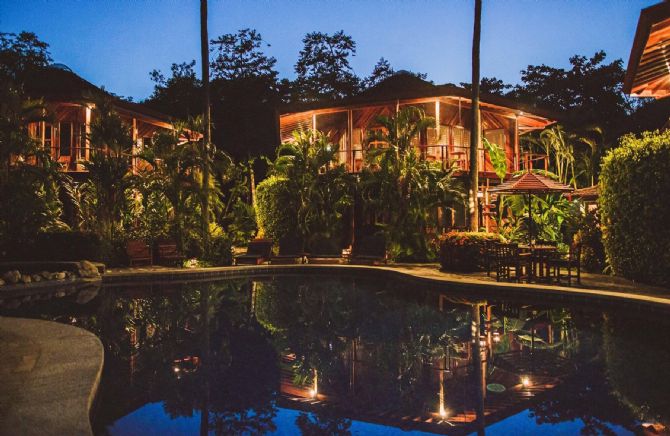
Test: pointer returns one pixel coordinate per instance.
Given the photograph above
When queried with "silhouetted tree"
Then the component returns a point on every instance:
(382, 71)
(323, 67)
(179, 95)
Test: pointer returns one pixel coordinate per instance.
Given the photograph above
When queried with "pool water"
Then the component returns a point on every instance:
(331, 355)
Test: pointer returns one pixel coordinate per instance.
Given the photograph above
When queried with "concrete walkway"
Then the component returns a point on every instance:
(50, 374)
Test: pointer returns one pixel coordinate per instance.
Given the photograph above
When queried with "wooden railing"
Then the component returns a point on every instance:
(444, 154)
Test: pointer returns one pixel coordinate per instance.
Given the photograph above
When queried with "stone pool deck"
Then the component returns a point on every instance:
(598, 287)
(50, 374)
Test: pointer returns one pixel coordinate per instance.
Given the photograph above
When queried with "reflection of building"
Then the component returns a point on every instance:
(348, 122)
(399, 383)
(70, 102)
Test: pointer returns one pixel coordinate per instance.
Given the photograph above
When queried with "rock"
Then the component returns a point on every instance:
(87, 269)
(59, 275)
(36, 277)
(25, 278)
(60, 294)
(12, 277)
(46, 275)
(2, 282)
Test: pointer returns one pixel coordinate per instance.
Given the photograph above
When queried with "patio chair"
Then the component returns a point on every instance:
(508, 258)
(325, 251)
(369, 250)
(489, 254)
(569, 263)
(168, 253)
(138, 252)
(258, 251)
(290, 252)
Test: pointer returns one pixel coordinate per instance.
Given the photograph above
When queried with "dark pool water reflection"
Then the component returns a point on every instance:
(324, 355)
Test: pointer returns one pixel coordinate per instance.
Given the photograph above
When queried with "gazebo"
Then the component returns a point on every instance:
(531, 184)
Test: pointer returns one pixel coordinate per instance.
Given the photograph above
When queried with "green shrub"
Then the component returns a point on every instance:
(276, 208)
(634, 207)
(464, 251)
(590, 237)
(221, 251)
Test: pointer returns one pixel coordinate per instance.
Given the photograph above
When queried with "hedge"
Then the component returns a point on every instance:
(464, 251)
(634, 205)
(276, 211)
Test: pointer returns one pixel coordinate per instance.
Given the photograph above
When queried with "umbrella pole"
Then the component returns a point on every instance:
(530, 220)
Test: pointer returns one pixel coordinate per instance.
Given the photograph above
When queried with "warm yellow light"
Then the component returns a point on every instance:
(525, 381)
(443, 412)
(313, 393)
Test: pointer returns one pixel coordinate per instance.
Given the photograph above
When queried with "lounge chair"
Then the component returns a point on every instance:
(290, 252)
(258, 251)
(325, 251)
(369, 250)
(167, 253)
(138, 252)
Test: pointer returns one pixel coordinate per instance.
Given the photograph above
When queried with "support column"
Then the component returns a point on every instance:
(517, 151)
(87, 131)
(134, 146)
(350, 140)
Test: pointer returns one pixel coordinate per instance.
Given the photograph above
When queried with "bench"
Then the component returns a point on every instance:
(138, 252)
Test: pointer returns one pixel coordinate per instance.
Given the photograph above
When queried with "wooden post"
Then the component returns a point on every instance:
(87, 129)
(350, 139)
(207, 133)
(475, 133)
(517, 151)
(134, 147)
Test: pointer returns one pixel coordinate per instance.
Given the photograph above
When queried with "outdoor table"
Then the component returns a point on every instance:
(540, 254)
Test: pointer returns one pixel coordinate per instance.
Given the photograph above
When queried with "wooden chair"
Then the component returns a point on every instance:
(370, 249)
(138, 252)
(490, 248)
(290, 252)
(258, 251)
(167, 253)
(570, 263)
(508, 258)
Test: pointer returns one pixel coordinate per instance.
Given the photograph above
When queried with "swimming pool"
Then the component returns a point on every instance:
(320, 354)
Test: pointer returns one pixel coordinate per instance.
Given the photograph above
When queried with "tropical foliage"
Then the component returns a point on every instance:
(634, 186)
(312, 192)
(402, 189)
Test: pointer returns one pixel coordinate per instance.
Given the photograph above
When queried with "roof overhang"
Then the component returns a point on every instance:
(648, 72)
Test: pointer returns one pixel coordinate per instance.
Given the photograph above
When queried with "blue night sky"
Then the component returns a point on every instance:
(117, 43)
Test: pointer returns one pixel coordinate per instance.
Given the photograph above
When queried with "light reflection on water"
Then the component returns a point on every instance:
(325, 355)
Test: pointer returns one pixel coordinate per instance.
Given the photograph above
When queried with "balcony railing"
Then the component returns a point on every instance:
(445, 155)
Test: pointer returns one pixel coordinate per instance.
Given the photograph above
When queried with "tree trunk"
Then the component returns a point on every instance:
(204, 49)
(475, 133)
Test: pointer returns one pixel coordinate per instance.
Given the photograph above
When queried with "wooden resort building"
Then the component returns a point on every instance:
(648, 72)
(348, 122)
(70, 102)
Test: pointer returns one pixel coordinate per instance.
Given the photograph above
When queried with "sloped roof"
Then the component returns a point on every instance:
(648, 72)
(530, 183)
(403, 86)
(60, 85)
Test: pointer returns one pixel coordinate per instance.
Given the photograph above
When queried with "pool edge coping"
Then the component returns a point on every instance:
(180, 275)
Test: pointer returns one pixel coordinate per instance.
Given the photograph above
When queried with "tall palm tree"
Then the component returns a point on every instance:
(475, 135)
(204, 51)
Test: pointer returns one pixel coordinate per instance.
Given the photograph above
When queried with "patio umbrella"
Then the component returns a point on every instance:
(531, 184)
